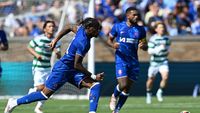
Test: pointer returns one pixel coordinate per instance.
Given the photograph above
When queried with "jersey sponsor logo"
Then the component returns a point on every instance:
(128, 40)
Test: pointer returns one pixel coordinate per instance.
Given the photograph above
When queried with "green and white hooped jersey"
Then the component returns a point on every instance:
(159, 54)
(40, 45)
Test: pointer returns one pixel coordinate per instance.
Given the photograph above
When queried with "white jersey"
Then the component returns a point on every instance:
(158, 48)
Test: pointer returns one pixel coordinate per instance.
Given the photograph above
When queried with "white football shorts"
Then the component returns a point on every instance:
(153, 70)
(40, 76)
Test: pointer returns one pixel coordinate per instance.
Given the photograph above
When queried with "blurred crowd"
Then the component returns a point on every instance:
(26, 17)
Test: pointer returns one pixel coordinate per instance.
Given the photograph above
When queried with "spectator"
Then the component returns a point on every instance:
(154, 18)
(171, 25)
(196, 26)
(55, 10)
(183, 24)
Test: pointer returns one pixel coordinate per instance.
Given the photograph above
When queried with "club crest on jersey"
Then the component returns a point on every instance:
(136, 34)
(120, 72)
(122, 32)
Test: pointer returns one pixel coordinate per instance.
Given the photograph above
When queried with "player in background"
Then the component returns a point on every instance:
(41, 68)
(129, 37)
(158, 48)
(3, 44)
(69, 68)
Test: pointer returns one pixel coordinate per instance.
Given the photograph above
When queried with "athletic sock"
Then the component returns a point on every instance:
(116, 91)
(148, 91)
(40, 104)
(94, 96)
(32, 97)
(160, 90)
(122, 99)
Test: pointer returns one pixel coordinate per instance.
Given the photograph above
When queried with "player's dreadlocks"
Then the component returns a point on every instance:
(91, 22)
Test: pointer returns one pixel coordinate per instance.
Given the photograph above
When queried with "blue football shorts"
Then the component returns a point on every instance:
(124, 70)
(60, 74)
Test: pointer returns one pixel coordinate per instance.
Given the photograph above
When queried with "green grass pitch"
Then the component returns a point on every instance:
(171, 104)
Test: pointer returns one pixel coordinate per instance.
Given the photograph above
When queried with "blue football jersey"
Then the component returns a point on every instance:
(128, 37)
(79, 45)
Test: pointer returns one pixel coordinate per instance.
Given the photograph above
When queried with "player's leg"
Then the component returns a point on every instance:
(120, 71)
(152, 71)
(32, 97)
(124, 85)
(39, 81)
(114, 97)
(56, 79)
(164, 71)
(94, 93)
(80, 80)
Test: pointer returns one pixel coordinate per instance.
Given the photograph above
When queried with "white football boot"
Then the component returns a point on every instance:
(12, 103)
(148, 98)
(113, 101)
(159, 95)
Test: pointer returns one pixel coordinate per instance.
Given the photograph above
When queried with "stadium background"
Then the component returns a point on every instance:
(16, 62)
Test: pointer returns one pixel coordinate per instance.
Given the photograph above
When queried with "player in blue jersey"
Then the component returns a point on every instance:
(69, 68)
(129, 36)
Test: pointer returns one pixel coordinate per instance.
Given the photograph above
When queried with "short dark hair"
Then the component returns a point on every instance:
(48, 21)
(91, 22)
(130, 9)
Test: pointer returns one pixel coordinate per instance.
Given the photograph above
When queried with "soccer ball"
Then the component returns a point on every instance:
(184, 112)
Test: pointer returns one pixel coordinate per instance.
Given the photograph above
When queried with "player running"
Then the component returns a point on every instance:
(129, 35)
(41, 68)
(158, 48)
(69, 68)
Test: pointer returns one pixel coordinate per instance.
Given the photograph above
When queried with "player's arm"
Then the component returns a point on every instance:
(79, 66)
(153, 49)
(143, 44)
(111, 37)
(32, 51)
(58, 52)
(66, 30)
(111, 42)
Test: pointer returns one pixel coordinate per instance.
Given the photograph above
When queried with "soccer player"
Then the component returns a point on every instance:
(3, 44)
(158, 48)
(129, 37)
(39, 48)
(69, 68)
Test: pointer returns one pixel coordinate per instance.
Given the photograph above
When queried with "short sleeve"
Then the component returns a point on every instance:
(81, 49)
(113, 31)
(32, 44)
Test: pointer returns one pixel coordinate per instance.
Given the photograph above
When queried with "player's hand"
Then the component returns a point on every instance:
(143, 45)
(52, 44)
(116, 45)
(39, 57)
(100, 76)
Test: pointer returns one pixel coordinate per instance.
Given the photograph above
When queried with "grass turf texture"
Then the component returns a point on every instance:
(171, 104)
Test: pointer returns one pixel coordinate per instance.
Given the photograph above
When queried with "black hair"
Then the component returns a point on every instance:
(130, 9)
(48, 21)
(91, 22)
